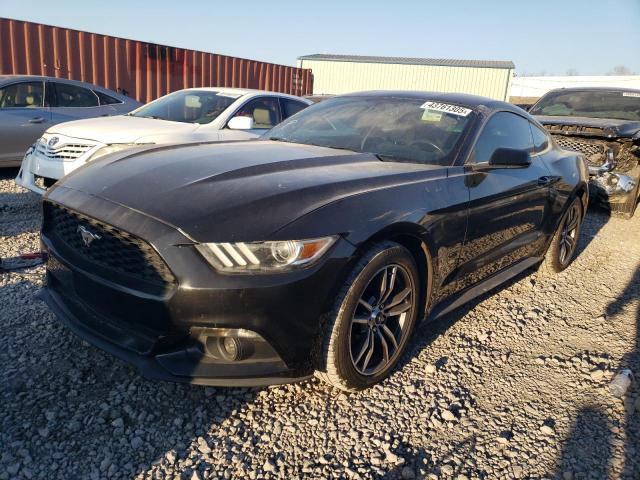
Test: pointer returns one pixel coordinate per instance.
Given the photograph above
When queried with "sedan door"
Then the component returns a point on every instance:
(72, 102)
(24, 117)
(265, 112)
(507, 204)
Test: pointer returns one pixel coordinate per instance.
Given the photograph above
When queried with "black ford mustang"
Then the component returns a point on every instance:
(316, 249)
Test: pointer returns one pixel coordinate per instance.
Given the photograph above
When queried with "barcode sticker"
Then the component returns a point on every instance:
(446, 108)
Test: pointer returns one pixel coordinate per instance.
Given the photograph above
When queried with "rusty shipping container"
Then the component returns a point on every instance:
(144, 71)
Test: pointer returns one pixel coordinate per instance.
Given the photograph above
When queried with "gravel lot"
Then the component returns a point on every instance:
(514, 386)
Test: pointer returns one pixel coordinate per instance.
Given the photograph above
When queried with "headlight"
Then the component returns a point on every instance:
(116, 147)
(265, 256)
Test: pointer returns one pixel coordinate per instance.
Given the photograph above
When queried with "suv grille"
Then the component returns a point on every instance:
(595, 152)
(113, 250)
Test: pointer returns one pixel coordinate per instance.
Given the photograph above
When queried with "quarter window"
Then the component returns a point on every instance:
(72, 96)
(503, 130)
(264, 111)
(291, 107)
(540, 139)
(22, 95)
(106, 99)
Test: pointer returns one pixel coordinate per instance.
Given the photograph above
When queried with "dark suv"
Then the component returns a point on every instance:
(604, 125)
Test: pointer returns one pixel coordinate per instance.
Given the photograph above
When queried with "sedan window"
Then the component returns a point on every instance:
(503, 130)
(106, 99)
(264, 111)
(71, 96)
(22, 95)
(291, 107)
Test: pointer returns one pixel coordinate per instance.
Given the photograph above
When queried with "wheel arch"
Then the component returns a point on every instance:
(413, 238)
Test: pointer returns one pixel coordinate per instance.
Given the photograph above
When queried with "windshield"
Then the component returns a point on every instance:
(188, 106)
(593, 104)
(398, 129)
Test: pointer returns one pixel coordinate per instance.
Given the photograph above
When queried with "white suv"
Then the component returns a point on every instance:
(185, 116)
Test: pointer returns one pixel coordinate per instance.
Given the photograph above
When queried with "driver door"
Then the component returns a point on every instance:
(506, 205)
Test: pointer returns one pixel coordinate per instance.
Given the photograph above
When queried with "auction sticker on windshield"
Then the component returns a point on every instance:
(446, 108)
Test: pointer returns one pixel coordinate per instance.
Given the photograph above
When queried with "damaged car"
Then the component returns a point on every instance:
(315, 250)
(604, 125)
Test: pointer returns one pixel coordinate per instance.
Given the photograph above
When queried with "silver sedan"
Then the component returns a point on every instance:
(29, 105)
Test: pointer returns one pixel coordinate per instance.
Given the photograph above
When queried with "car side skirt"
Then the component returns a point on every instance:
(467, 295)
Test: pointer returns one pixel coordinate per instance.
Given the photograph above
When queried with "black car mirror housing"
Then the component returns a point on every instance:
(510, 158)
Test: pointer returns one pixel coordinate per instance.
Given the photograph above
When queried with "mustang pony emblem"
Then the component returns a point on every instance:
(87, 235)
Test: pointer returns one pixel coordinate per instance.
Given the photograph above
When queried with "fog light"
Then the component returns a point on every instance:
(227, 345)
(232, 348)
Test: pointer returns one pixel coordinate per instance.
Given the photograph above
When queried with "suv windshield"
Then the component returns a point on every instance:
(190, 106)
(397, 129)
(619, 105)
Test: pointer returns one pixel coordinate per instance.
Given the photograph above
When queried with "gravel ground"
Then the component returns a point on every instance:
(513, 386)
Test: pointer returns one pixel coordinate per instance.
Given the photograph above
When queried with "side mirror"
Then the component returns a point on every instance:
(510, 158)
(241, 123)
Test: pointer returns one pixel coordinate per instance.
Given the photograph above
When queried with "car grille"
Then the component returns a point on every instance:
(113, 250)
(595, 152)
(64, 152)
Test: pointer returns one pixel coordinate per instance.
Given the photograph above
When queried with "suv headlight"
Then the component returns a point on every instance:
(270, 256)
(113, 148)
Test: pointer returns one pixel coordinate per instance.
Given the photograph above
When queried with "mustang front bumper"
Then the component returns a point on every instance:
(178, 334)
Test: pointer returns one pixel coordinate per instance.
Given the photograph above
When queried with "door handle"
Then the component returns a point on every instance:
(37, 120)
(544, 181)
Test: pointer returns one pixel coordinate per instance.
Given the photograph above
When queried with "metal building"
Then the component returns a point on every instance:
(335, 74)
(144, 71)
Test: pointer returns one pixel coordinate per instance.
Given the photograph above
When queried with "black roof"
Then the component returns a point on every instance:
(438, 62)
(471, 101)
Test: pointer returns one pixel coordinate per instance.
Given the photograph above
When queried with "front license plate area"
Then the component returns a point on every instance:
(59, 271)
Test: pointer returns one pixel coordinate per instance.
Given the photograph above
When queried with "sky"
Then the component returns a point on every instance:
(587, 37)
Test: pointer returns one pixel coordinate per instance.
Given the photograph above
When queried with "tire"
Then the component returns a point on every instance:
(561, 252)
(361, 323)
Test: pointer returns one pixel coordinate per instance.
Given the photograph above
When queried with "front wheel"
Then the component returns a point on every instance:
(372, 320)
(565, 241)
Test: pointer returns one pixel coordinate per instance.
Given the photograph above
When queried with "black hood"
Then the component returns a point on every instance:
(618, 128)
(237, 191)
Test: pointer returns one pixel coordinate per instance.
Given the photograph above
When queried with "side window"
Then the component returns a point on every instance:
(540, 139)
(71, 96)
(264, 111)
(22, 95)
(291, 107)
(106, 99)
(503, 130)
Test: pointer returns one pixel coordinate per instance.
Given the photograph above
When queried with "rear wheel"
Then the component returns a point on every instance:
(565, 241)
(372, 320)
